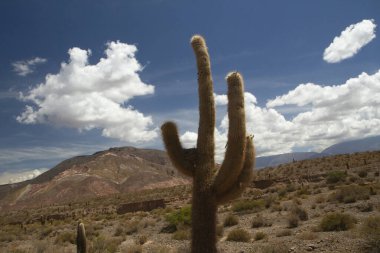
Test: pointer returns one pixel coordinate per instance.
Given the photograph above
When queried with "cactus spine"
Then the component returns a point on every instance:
(81, 238)
(210, 185)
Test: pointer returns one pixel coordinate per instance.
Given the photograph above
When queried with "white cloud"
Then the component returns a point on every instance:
(25, 67)
(220, 99)
(15, 177)
(350, 41)
(327, 115)
(86, 96)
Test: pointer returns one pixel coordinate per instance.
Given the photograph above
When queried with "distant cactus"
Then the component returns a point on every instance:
(210, 185)
(81, 238)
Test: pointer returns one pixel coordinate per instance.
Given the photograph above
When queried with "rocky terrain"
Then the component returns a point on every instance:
(114, 171)
(328, 204)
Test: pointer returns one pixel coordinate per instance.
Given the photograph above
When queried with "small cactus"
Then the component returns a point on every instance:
(212, 186)
(81, 238)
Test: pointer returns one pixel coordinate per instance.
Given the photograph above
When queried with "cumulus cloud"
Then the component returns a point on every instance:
(25, 67)
(86, 96)
(328, 114)
(350, 41)
(15, 177)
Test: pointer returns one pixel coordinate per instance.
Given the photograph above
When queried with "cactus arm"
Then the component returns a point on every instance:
(245, 177)
(183, 159)
(234, 157)
(205, 142)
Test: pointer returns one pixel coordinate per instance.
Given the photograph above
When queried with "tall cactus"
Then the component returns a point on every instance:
(212, 186)
(81, 238)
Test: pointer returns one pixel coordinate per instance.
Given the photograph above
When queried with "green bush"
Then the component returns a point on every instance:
(370, 230)
(337, 222)
(230, 220)
(238, 235)
(249, 205)
(182, 216)
(335, 177)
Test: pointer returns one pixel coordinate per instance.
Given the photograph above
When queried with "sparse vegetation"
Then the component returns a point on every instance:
(239, 235)
(337, 222)
(260, 221)
(307, 208)
(334, 177)
(230, 220)
(182, 216)
(370, 230)
(181, 235)
(350, 194)
(275, 249)
(362, 173)
(259, 236)
(248, 205)
(285, 232)
(293, 221)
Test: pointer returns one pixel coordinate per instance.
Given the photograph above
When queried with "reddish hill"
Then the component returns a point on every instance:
(117, 170)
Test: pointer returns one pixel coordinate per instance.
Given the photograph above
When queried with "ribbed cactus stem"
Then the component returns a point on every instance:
(81, 238)
(205, 142)
(245, 177)
(234, 157)
(210, 186)
(179, 156)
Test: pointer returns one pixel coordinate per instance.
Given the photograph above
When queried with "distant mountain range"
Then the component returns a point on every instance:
(361, 145)
(113, 171)
(128, 169)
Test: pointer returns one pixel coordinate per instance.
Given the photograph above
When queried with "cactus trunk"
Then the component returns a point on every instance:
(81, 238)
(211, 186)
(204, 229)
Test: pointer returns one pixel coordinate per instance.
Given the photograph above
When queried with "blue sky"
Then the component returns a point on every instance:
(309, 84)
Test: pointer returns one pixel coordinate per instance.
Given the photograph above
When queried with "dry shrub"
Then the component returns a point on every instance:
(279, 248)
(334, 177)
(285, 232)
(293, 221)
(248, 205)
(141, 239)
(134, 248)
(370, 230)
(181, 235)
(66, 236)
(350, 194)
(259, 236)
(230, 220)
(110, 245)
(238, 235)
(308, 235)
(337, 222)
(300, 212)
(260, 221)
